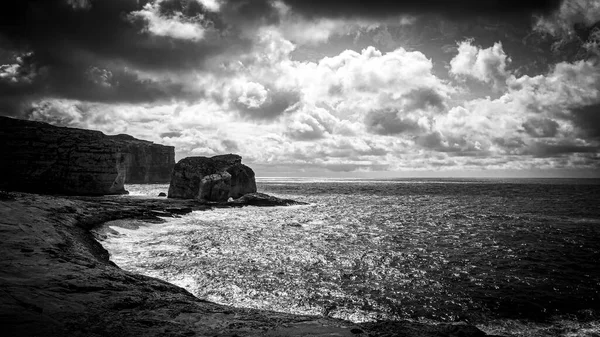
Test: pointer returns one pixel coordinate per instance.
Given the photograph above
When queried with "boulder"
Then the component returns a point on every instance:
(216, 178)
(41, 158)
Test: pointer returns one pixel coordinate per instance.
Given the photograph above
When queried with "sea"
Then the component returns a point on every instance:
(515, 257)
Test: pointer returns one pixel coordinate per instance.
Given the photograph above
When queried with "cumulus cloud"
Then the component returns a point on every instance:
(569, 92)
(360, 82)
(310, 124)
(176, 26)
(551, 115)
(486, 65)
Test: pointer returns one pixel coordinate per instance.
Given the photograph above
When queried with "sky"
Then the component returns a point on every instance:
(379, 88)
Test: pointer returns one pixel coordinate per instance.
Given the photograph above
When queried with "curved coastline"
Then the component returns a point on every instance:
(58, 280)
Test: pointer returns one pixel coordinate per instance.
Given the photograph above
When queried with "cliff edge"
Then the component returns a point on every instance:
(38, 157)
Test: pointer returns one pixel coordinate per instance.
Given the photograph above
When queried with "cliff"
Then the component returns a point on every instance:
(147, 163)
(39, 157)
(211, 179)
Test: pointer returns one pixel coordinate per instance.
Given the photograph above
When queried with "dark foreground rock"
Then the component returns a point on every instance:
(215, 179)
(38, 157)
(56, 280)
(262, 199)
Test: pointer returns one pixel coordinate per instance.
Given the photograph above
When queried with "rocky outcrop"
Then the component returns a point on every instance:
(39, 157)
(211, 179)
(262, 199)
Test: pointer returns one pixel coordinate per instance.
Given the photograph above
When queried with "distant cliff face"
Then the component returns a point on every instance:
(39, 157)
(211, 179)
(149, 163)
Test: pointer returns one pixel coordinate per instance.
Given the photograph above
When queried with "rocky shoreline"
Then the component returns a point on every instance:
(57, 280)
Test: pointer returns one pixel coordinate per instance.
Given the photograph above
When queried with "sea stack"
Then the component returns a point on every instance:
(216, 178)
(41, 158)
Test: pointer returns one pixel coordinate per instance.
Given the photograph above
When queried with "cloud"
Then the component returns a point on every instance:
(587, 119)
(570, 93)
(564, 20)
(486, 65)
(310, 125)
(370, 80)
(388, 122)
(176, 26)
(115, 50)
(270, 106)
(573, 29)
(384, 8)
(313, 31)
(171, 134)
(541, 127)
(552, 115)
(57, 112)
(302, 88)
(313, 123)
(561, 148)
(412, 115)
(211, 5)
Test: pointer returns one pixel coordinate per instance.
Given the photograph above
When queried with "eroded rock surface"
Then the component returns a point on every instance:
(262, 199)
(56, 280)
(38, 157)
(216, 178)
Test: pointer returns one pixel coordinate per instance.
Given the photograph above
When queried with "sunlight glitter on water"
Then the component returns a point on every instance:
(366, 251)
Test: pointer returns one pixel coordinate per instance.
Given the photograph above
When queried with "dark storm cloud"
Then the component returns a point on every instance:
(541, 127)
(391, 122)
(230, 145)
(387, 122)
(453, 9)
(66, 39)
(274, 106)
(170, 134)
(545, 150)
(56, 32)
(423, 98)
(588, 119)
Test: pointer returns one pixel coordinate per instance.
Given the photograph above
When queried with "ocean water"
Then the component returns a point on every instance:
(514, 257)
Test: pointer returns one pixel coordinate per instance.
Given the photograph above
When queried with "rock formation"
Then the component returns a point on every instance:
(262, 199)
(211, 179)
(39, 157)
(148, 163)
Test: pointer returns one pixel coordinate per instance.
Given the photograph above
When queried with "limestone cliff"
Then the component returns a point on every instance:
(211, 179)
(39, 157)
(148, 163)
